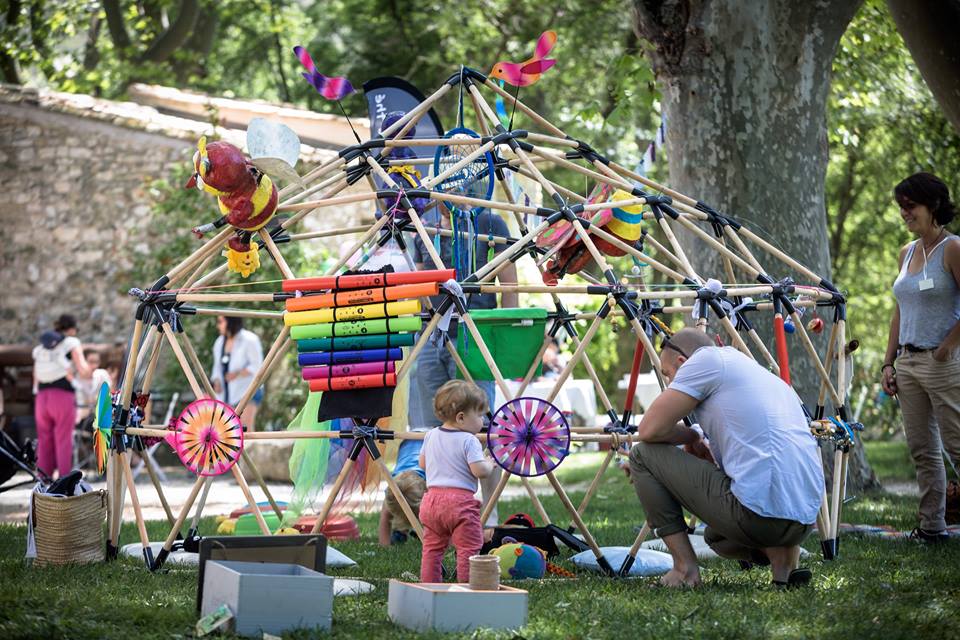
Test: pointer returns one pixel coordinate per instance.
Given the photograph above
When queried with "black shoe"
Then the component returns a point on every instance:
(929, 537)
(798, 578)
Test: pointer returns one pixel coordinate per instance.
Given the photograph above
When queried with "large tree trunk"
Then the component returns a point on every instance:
(745, 88)
(931, 31)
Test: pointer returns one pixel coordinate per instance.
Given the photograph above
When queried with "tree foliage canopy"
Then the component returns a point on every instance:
(883, 122)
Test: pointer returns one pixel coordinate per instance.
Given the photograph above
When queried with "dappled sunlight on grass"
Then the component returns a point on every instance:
(889, 587)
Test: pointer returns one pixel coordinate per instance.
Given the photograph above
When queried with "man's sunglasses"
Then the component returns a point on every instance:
(666, 344)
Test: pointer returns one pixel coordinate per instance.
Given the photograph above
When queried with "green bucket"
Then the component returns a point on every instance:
(514, 337)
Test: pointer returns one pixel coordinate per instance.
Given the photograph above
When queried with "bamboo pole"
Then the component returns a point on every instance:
(401, 499)
(276, 255)
(152, 472)
(565, 499)
(182, 516)
(182, 359)
(812, 352)
(279, 346)
(494, 497)
(238, 475)
(577, 355)
(340, 168)
(135, 500)
(332, 496)
(485, 352)
(329, 202)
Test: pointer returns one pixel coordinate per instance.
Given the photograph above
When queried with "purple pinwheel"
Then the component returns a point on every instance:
(529, 437)
(330, 88)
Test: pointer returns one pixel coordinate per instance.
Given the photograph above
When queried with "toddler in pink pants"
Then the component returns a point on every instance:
(453, 460)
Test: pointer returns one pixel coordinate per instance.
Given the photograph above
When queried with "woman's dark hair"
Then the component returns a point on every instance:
(65, 322)
(234, 325)
(930, 191)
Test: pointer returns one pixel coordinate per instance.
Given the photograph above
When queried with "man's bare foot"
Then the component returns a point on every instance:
(677, 579)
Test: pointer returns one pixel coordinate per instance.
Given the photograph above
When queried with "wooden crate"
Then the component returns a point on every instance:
(455, 607)
(268, 597)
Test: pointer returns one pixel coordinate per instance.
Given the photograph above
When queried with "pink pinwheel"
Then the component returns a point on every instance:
(208, 437)
(524, 74)
(529, 437)
(330, 88)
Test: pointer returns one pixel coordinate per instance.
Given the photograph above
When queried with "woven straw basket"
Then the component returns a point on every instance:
(69, 530)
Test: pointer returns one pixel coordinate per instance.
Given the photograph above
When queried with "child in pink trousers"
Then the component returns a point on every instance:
(453, 460)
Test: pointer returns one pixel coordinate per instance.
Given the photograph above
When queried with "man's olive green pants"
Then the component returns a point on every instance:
(667, 480)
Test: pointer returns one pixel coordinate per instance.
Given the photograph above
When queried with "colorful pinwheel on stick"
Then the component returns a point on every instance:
(208, 437)
(102, 426)
(529, 437)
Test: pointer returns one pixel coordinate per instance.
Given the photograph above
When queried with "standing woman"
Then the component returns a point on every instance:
(56, 360)
(237, 356)
(924, 340)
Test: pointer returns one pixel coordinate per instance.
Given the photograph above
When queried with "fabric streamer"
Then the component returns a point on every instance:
(308, 462)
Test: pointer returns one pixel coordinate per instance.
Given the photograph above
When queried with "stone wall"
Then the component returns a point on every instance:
(74, 170)
(73, 206)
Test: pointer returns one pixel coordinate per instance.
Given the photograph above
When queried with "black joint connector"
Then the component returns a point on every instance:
(551, 215)
(605, 565)
(418, 192)
(657, 213)
(829, 286)
(572, 155)
(161, 558)
(787, 305)
(731, 222)
(526, 146)
(611, 277)
(604, 310)
(351, 152)
(670, 211)
(357, 173)
(559, 200)
(470, 287)
(765, 279)
(690, 283)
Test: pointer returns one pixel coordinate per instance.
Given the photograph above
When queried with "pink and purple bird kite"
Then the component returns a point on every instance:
(524, 74)
(330, 88)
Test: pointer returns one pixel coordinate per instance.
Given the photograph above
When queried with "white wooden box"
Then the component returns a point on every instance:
(455, 607)
(271, 597)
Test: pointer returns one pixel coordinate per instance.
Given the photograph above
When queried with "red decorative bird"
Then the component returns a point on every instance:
(524, 74)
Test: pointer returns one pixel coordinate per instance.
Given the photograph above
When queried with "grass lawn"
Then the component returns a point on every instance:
(878, 588)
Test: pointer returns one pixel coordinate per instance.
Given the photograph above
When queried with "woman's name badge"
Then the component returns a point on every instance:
(926, 284)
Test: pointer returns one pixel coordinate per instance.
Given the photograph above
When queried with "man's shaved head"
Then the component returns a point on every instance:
(689, 340)
(679, 347)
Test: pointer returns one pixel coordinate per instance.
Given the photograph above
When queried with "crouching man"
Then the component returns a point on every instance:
(757, 486)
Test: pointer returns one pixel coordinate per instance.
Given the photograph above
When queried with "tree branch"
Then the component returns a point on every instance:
(8, 64)
(91, 54)
(173, 38)
(117, 27)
